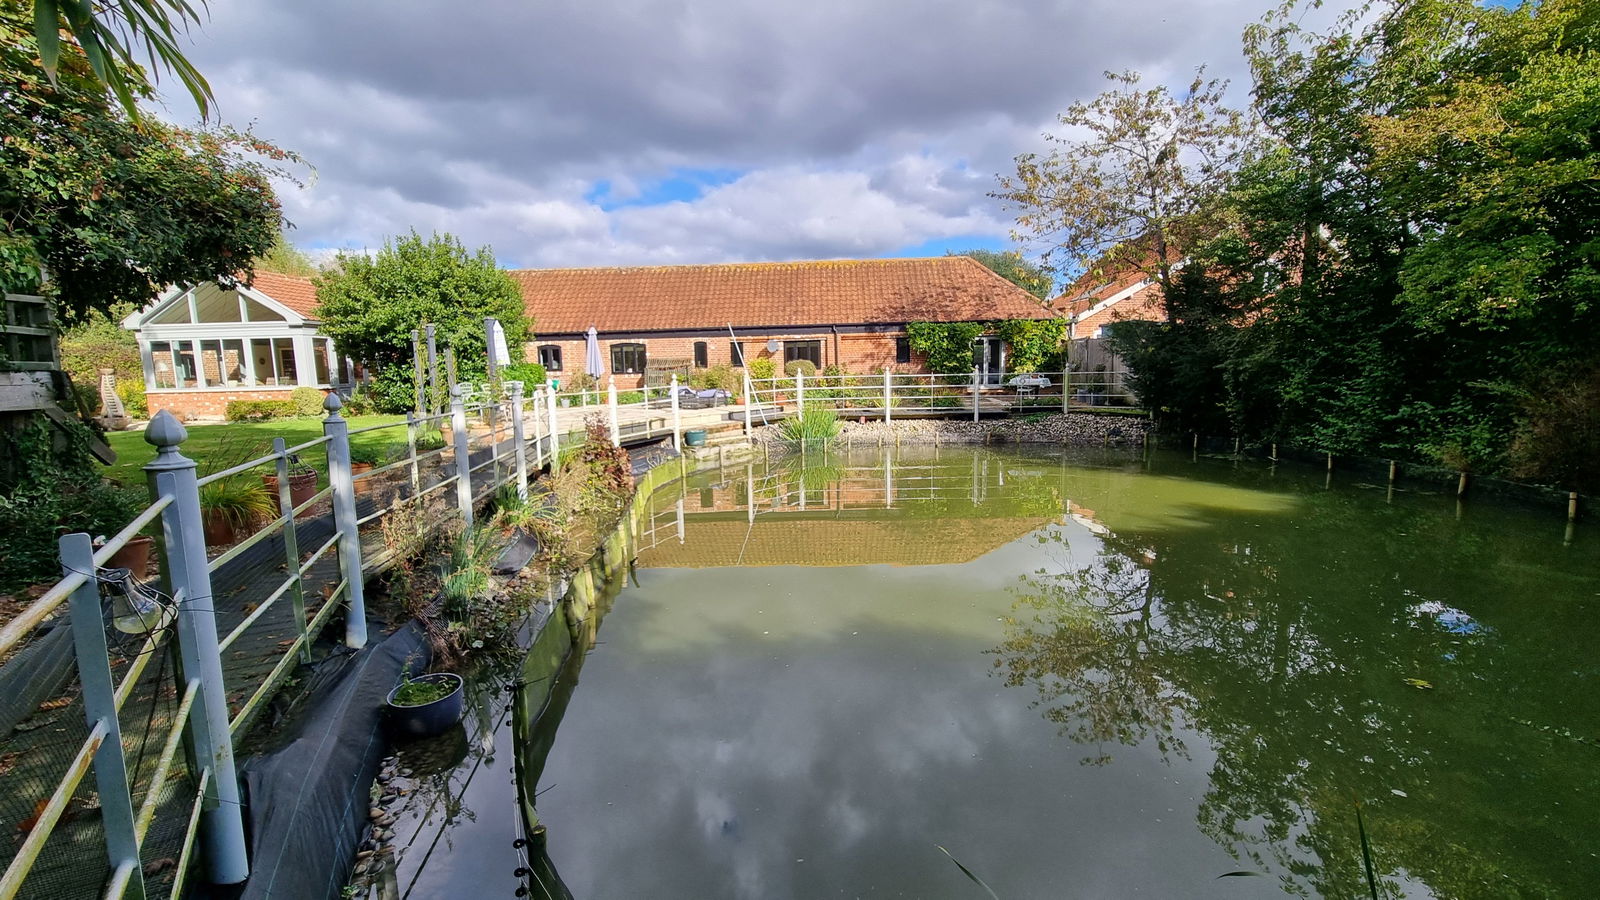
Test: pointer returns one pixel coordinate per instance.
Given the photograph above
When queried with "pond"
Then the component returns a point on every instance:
(1077, 675)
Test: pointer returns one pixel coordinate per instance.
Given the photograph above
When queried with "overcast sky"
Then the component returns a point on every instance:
(617, 132)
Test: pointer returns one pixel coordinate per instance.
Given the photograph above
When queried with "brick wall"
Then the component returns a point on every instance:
(1146, 305)
(208, 404)
(856, 352)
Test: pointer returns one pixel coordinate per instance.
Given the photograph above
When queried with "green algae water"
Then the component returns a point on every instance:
(1081, 676)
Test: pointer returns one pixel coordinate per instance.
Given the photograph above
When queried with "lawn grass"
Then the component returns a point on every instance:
(241, 441)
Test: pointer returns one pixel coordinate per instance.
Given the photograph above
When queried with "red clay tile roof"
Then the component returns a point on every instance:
(759, 295)
(299, 294)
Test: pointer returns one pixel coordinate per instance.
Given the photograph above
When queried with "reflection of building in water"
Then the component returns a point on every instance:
(839, 512)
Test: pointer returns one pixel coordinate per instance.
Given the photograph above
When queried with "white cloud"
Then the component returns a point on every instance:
(854, 128)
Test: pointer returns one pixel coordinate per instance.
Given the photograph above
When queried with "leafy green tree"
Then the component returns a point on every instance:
(1013, 267)
(946, 345)
(370, 306)
(1130, 193)
(286, 259)
(111, 209)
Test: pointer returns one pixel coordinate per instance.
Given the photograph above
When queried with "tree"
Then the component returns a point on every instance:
(1130, 194)
(107, 34)
(1010, 265)
(286, 259)
(111, 209)
(370, 306)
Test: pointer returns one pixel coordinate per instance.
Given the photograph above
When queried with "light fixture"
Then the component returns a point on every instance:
(134, 609)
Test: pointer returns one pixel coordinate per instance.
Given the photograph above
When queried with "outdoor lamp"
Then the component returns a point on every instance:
(134, 609)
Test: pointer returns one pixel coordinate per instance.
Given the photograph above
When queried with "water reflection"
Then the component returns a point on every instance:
(830, 665)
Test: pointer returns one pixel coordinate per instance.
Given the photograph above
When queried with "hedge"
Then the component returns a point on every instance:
(259, 410)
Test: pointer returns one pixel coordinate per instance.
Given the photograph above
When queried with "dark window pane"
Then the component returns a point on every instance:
(627, 359)
(902, 350)
(735, 354)
(807, 350)
(550, 357)
(702, 355)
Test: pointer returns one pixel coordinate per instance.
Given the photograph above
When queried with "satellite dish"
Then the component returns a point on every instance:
(773, 345)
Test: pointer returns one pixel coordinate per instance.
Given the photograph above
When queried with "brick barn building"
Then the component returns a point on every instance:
(656, 320)
(204, 345)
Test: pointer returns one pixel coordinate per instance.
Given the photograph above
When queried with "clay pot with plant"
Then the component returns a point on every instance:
(134, 555)
(302, 485)
(230, 507)
(363, 459)
(425, 706)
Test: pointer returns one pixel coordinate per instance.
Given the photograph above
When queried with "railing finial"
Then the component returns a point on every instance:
(333, 404)
(165, 432)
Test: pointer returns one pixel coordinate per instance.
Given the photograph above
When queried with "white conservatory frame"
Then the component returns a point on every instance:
(195, 326)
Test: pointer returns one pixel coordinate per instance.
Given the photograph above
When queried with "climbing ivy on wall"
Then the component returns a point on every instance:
(948, 345)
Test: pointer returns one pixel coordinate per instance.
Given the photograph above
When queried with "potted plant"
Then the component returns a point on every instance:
(232, 505)
(302, 484)
(425, 706)
(363, 458)
(134, 555)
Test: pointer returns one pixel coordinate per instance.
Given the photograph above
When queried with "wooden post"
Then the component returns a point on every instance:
(974, 394)
(417, 372)
(799, 391)
(521, 451)
(749, 400)
(434, 396)
(1572, 506)
(458, 427)
(1330, 461)
(1461, 485)
(345, 521)
(1066, 380)
(1393, 470)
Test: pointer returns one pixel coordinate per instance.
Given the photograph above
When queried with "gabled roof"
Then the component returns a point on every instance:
(759, 295)
(299, 294)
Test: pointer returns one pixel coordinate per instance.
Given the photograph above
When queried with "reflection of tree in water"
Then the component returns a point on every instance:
(1289, 648)
(1092, 648)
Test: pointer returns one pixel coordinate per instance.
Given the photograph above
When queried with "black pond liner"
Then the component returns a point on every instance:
(307, 799)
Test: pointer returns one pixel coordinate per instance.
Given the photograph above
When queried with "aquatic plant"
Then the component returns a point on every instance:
(816, 424)
(420, 693)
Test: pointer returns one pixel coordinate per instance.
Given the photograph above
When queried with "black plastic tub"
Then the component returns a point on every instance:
(429, 719)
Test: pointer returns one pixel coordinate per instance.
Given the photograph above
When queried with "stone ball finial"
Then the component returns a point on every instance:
(165, 430)
(332, 403)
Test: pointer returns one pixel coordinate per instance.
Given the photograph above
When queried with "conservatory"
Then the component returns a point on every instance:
(204, 346)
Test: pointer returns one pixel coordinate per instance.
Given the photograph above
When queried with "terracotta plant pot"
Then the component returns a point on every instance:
(357, 469)
(134, 556)
(218, 528)
(302, 487)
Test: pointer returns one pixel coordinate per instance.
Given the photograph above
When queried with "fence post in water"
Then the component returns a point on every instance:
(344, 521)
(100, 708)
(974, 394)
(411, 455)
(1461, 485)
(677, 420)
(1572, 506)
(1066, 378)
(458, 424)
(555, 442)
(611, 404)
(799, 391)
(1393, 470)
(188, 578)
(291, 545)
(515, 389)
(749, 400)
(888, 394)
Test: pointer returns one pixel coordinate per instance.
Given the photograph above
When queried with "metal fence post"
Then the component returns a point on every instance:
(888, 399)
(433, 370)
(1066, 387)
(555, 442)
(677, 420)
(611, 404)
(291, 545)
(100, 707)
(515, 389)
(749, 400)
(416, 370)
(974, 393)
(189, 579)
(344, 521)
(458, 424)
(799, 391)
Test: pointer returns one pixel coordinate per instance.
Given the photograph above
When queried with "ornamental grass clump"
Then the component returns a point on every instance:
(815, 425)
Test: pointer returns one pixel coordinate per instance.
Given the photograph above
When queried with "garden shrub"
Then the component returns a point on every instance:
(132, 394)
(719, 377)
(800, 366)
(259, 410)
(761, 368)
(532, 375)
(307, 401)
